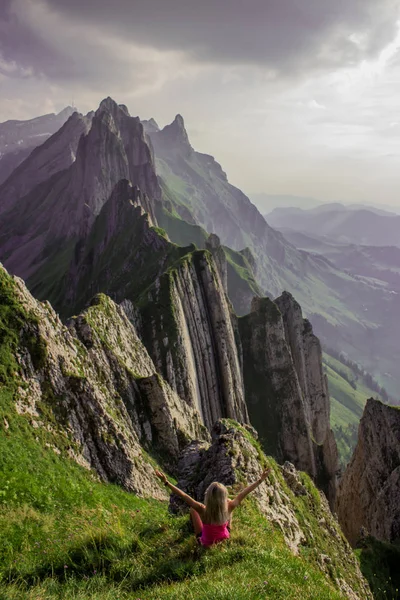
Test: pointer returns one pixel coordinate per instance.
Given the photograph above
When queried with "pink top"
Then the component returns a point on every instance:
(214, 533)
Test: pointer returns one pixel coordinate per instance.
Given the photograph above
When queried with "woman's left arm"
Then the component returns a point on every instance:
(188, 499)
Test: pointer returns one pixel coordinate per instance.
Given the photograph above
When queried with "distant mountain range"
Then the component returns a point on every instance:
(266, 203)
(341, 224)
(380, 263)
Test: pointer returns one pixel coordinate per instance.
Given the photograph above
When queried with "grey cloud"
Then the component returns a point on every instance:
(285, 36)
(281, 34)
(22, 50)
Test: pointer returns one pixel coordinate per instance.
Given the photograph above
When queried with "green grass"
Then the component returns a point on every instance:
(347, 404)
(242, 286)
(64, 534)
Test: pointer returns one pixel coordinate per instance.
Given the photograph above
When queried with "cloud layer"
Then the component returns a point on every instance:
(62, 39)
(292, 96)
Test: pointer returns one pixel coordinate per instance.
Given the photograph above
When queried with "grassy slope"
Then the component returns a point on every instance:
(347, 404)
(64, 534)
(241, 272)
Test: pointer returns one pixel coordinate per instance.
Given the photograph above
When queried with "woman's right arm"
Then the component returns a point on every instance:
(188, 499)
(235, 503)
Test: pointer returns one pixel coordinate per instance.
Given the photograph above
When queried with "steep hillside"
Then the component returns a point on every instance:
(81, 409)
(54, 155)
(349, 388)
(19, 138)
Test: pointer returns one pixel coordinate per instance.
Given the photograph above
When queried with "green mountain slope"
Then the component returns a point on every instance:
(349, 391)
(65, 534)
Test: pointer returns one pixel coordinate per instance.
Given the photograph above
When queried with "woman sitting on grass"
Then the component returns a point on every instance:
(211, 520)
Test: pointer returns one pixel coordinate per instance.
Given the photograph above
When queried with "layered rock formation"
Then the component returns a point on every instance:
(213, 244)
(189, 331)
(369, 492)
(286, 389)
(101, 388)
(234, 459)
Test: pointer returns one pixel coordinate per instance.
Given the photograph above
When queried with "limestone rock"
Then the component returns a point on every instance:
(292, 479)
(101, 385)
(229, 459)
(369, 492)
(286, 389)
(189, 332)
(213, 244)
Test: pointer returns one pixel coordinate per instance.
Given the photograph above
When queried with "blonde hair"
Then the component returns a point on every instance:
(216, 501)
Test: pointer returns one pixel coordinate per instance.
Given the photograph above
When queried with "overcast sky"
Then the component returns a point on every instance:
(291, 96)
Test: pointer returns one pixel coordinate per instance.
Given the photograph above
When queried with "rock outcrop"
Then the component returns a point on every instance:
(99, 384)
(286, 389)
(306, 352)
(234, 459)
(369, 492)
(213, 244)
(189, 331)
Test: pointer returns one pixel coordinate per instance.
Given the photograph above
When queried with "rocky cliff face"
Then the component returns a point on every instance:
(286, 389)
(369, 491)
(122, 255)
(234, 458)
(306, 352)
(100, 387)
(188, 329)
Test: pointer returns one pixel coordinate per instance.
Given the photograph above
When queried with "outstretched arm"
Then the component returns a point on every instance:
(188, 499)
(235, 503)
